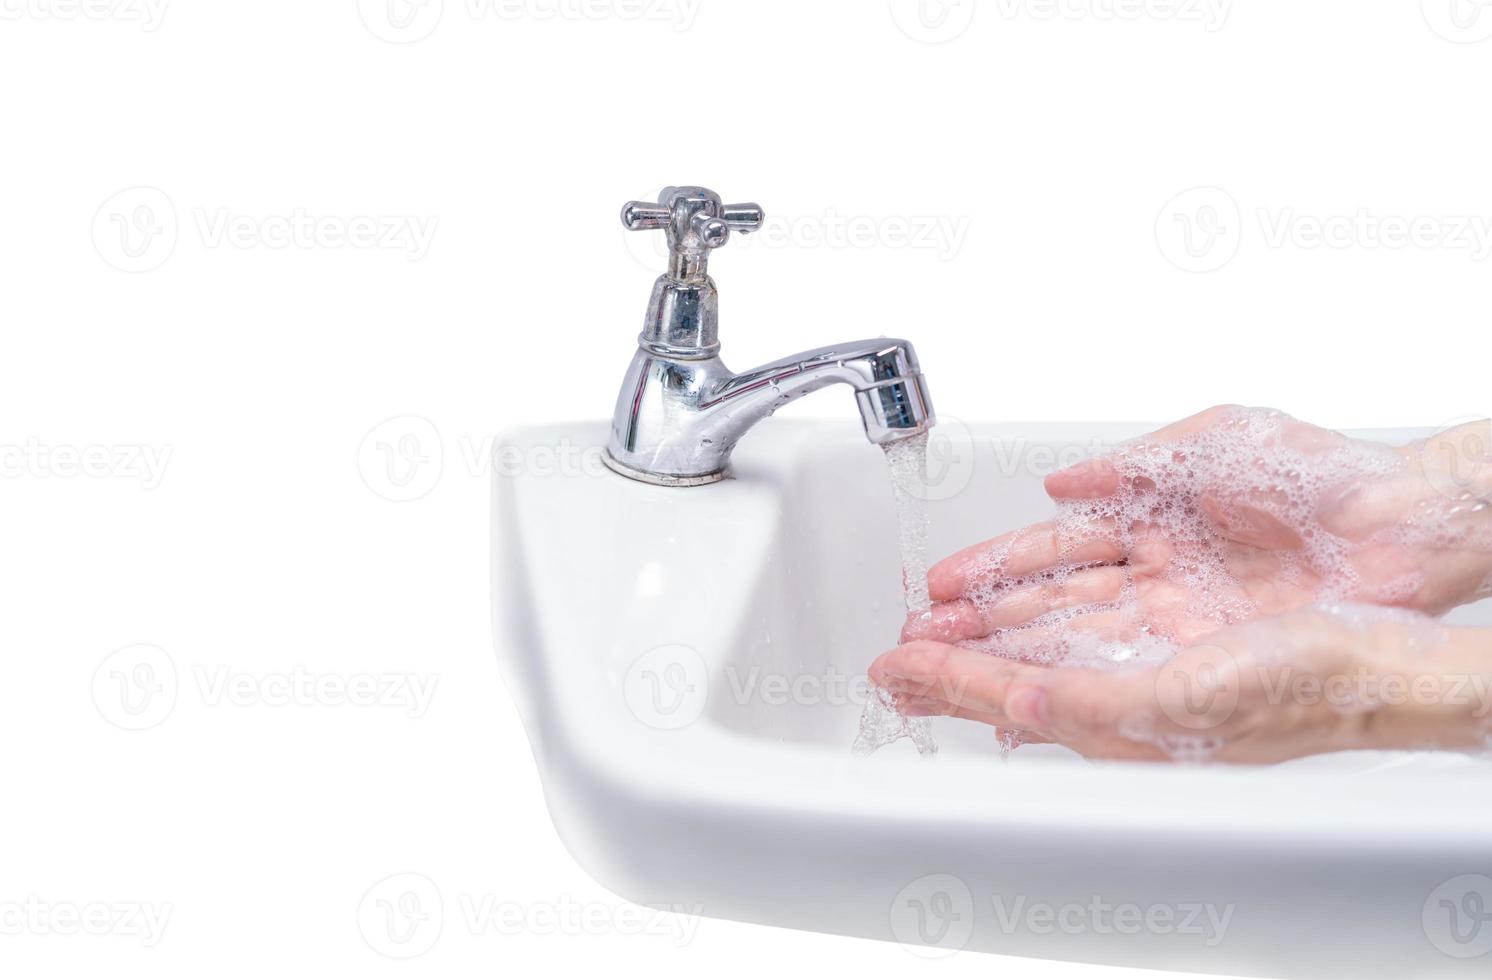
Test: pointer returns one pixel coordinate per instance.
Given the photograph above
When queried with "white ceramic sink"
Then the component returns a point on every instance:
(684, 658)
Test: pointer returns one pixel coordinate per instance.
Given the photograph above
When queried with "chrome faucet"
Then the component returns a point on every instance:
(681, 410)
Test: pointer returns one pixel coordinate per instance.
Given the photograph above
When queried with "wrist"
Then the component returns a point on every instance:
(1431, 687)
(1447, 514)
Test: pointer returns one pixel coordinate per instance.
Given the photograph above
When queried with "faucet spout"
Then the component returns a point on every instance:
(677, 419)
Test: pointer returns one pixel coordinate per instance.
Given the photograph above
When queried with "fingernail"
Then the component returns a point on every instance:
(1027, 706)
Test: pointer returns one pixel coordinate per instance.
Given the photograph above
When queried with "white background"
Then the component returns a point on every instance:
(181, 323)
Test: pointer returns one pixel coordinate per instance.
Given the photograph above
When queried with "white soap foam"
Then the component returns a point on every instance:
(1254, 472)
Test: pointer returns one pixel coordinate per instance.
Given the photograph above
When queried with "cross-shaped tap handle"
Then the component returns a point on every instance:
(695, 220)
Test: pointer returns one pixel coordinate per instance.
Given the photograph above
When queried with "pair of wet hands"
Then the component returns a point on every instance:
(1291, 678)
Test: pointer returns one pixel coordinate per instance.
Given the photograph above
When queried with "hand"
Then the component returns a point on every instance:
(1301, 683)
(1230, 515)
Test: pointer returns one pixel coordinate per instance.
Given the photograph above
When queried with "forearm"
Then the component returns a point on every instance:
(1435, 691)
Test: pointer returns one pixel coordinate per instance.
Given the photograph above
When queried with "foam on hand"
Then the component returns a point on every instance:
(1200, 505)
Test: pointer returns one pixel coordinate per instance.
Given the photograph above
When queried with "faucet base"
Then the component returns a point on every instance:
(660, 479)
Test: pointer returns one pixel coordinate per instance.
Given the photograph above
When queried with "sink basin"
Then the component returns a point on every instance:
(689, 665)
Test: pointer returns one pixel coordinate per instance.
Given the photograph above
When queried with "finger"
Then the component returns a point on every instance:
(1091, 479)
(1027, 550)
(1082, 588)
(1081, 707)
(1189, 426)
(914, 707)
(946, 622)
(1099, 477)
(939, 672)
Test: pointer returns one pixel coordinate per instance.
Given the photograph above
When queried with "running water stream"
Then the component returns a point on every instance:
(880, 722)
